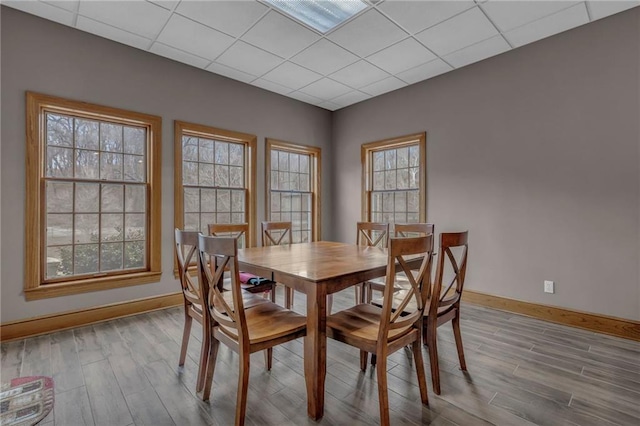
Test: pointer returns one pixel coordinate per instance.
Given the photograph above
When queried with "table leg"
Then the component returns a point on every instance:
(315, 351)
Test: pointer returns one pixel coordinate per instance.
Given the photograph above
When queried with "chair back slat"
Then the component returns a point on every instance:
(452, 260)
(403, 253)
(276, 233)
(372, 234)
(186, 244)
(239, 231)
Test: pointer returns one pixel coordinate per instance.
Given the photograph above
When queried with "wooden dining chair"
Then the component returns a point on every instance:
(384, 330)
(244, 331)
(240, 231)
(275, 234)
(444, 303)
(370, 234)
(186, 245)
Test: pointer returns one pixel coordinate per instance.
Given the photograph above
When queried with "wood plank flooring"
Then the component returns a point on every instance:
(521, 371)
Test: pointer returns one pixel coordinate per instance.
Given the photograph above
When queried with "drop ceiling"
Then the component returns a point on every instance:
(389, 45)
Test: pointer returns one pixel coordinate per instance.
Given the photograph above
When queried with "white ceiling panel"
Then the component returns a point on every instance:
(600, 9)
(138, 17)
(195, 38)
(324, 57)
(291, 75)
(401, 56)
(392, 43)
(178, 55)
(511, 14)
(384, 86)
(249, 59)
(424, 71)
(458, 32)
(231, 72)
(279, 35)
(360, 74)
(107, 31)
(548, 26)
(367, 33)
(231, 17)
(326, 89)
(477, 52)
(415, 16)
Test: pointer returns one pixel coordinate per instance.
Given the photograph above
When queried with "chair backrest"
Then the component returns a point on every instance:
(239, 231)
(402, 311)
(221, 253)
(186, 244)
(413, 229)
(276, 233)
(372, 234)
(452, 264)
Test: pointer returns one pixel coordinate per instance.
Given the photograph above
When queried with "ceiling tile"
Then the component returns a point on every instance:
(359, 74)
(460, 31)
(70, 5)
(305, 98)
(324, 57)
(401, 56)
(600, 9)
(350, 98)
(195, 38)
(328, 105)
(384, 86)
(511, 14)
(44, 10)
(367, 33)
(271, 86)
(326, 89)
(291, 75)
(280, 35)
(424, 71)
(112, 33)
(415, 16)
(138, 17)
(249, 59)
(231, 72)
(167, 4)
(477, 52)
(550, 25)
(231, 17)
(178, 55)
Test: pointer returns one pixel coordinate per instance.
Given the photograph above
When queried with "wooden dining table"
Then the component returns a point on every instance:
(316, 269)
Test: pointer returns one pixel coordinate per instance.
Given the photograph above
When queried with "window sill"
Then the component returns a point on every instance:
(92, 284)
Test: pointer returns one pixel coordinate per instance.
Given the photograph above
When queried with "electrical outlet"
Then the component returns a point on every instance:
(549, 286)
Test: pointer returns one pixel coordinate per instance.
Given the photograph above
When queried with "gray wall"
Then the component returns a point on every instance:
(536, 153)
(42, 56)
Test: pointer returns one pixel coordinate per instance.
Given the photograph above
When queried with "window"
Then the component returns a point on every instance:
(93, 197)
(394, 180)
(293, 188)
(214, 178)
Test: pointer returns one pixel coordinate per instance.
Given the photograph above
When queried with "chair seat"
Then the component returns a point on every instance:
(362, 322)
(249, 301)
(269, 321)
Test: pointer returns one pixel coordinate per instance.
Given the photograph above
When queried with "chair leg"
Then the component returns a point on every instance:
(433, 358)
(210, 368)
(455, 323)
(268, 358)
(185, 337)
(243, 388)
(273, 293)
(383, 393)
(364, 357)
(204, 358)
(358, 292)
(422, 381)
(329, 303)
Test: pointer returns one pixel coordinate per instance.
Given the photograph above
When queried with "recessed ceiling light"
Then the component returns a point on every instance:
(323, 15)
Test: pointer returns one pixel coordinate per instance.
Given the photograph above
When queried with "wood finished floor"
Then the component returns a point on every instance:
(521, 371)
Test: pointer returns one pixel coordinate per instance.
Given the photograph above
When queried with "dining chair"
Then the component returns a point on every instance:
(444, 304)
(240, 231)
(275, 234)
(186, 245)
(244, 331)
(370, 234)
(384, 330)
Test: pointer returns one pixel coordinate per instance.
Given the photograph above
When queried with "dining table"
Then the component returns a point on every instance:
(316, 269)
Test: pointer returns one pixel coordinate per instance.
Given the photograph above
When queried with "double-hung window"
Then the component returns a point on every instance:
(293, 188)
(214, 178)
(93, 197)
(394, 180)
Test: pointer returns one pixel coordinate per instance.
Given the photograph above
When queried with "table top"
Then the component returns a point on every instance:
(317, 261)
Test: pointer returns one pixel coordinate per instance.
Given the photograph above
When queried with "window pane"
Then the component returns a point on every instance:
(390, 159)
(135, 226)
(236, 177)
(378, 160)
(86, 228)
(189, 148)
(59, 130)
(390, 179)
(222, 152)
(236, 154)
(59, 162)
(59, 229)
(134, 140)
(207, 200)
(283, 159)
(400, 202)
(87, 198)
(223, 201)
(205, 174)
(222, 176)
(275, 201)
(206, 151)
(189, 173)
(135, 199)
(87, 134)
(305, 185)
(111, 256)
(237, 201)
(59, 197)
(413, 201)
(111, 227)
(191, 200)
(87, 163)
(85, 259)
(111, 166)
(304, 164)
(403, 178)
(113, 198)
(134, 254)
(378, 181)
(110, 137)
(414, 179)
(59, 262)
(192, 222)
(387, 202)
(205, 220)
(294, 181)
(414, 156)
(294, 162)
(134, 168)
(403, 157)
